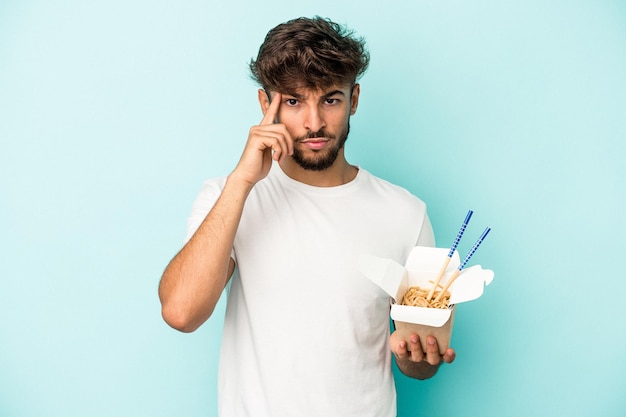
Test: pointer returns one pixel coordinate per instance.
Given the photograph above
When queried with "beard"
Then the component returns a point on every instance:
(321, 159)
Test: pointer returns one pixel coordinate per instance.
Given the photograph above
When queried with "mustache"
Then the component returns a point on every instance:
(312, 135)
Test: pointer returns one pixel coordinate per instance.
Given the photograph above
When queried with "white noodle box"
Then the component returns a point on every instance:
(422, 266)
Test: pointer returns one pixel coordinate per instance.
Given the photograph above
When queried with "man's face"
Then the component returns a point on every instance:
(319, 122)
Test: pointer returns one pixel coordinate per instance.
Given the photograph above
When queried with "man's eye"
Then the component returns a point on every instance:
(291, 102)
(332, 101)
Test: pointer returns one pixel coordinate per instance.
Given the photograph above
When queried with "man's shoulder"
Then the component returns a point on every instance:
(387, 189)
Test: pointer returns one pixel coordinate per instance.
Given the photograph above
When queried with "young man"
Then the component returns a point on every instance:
(305, 334)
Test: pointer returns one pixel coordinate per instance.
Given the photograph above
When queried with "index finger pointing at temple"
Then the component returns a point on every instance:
(272, 110)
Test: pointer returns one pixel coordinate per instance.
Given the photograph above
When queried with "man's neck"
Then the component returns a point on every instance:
(339, 173)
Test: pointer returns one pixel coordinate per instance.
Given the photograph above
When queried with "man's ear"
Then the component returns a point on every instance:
(354, 100)
(264, 99)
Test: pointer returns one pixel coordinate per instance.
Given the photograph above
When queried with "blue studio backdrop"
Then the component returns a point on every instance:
(112, 113)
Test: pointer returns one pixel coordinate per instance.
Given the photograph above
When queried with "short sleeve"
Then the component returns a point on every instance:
(210, 192)
(426, 236)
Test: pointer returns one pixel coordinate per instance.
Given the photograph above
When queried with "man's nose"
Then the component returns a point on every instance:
(314, 121)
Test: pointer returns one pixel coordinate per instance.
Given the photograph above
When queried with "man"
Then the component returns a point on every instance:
(305, 334)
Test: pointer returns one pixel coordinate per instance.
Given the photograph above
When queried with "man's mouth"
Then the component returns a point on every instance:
(315, 143)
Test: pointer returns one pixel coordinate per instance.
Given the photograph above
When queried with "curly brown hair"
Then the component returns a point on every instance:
(312, 53)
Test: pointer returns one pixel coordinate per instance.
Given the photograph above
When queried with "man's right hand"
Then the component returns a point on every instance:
(266, 142)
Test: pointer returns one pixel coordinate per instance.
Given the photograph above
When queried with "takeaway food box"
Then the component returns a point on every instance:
(423, 265)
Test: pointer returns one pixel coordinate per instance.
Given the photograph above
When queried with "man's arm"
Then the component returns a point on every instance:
(195, 278)
(413, 361)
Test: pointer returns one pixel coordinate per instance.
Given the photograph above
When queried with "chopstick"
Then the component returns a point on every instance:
(452, 249)
(460, 268)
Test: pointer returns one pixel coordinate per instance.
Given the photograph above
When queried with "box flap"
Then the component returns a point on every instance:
(470, 284)
(427, 259)
(386, 273)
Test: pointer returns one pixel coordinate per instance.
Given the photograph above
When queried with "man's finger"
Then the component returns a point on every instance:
(449, 355)
(272, 111)
(432, 351)
(402, 351)
(417, 354)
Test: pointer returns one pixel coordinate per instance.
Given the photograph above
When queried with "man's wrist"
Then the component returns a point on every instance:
(239, 185)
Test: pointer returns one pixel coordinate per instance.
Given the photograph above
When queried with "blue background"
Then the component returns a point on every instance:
(112, 113)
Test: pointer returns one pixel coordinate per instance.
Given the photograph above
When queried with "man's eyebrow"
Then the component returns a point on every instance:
(299, 96)
(332, 93)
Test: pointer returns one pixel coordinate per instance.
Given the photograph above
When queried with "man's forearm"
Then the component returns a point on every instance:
(195, 278)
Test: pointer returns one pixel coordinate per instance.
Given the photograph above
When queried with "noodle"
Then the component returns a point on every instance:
(416, 297)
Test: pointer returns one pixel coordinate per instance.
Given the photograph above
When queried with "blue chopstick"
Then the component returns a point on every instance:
(452, 249)
(460, 234)
(476, 245)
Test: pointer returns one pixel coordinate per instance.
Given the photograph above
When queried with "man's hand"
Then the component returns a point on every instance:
(266, 141)
(413, 361)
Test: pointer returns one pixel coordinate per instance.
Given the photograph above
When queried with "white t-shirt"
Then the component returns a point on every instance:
(305, 333)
